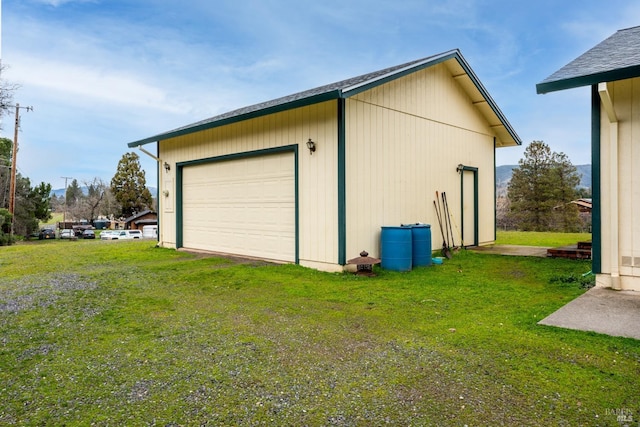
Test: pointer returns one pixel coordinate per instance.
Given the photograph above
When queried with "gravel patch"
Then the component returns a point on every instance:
(34, 292)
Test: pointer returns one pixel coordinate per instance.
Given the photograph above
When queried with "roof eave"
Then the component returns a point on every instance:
(588, 80)
(240, 117)
(490, 101)
(396, 74)
(346, 92)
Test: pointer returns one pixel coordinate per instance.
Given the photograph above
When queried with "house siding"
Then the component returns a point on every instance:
(625, 95)
(317, 178)
(404, 140)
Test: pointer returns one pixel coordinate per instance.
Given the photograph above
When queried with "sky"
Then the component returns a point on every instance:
(102, 73)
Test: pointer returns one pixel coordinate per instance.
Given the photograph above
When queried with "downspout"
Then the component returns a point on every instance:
(614, 227)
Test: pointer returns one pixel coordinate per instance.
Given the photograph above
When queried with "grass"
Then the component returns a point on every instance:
(537, 238)
(123, 333)
(56, 217)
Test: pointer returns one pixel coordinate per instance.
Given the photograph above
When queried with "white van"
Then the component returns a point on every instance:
(150, 232)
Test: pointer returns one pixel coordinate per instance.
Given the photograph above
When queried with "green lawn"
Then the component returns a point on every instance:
(123, 333)
(538, 238)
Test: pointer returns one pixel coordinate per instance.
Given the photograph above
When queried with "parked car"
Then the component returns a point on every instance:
(134, 234)
(121, 235)
(47, 233)
(110, 234)
(67, 234)
(88, 234)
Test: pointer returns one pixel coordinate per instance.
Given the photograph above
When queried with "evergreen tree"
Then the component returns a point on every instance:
(40, 197)
(129, 186)
(5, 171)
(565, 180)
(73, 194)
(541, 189)
(32, 206)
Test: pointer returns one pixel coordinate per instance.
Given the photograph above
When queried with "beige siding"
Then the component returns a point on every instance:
(317, 179)
(626, 101)
(404, 140)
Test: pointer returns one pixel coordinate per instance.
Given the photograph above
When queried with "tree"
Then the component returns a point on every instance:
(96, 191)
(32, 206)
(5, 171)
(6, 94)
(73, 195)
(565, 180)
(40, 197)
(541, 189)
(5, 227)
(129, 186)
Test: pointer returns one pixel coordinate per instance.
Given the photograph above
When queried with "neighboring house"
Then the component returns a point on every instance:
(382, 144)
(584, 205)
(139, 220)
(612, 70)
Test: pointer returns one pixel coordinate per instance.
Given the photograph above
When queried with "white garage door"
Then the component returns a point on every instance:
(243, 206)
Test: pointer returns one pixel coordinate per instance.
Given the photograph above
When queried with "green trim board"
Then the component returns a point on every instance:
(204, 125)
(588, 80)
(596, 192)
(342, 197)
(235, 156)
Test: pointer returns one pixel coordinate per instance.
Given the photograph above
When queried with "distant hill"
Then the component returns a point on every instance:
(503, 175)
(60, 191)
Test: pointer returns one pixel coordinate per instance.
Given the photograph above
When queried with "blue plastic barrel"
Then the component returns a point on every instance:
(396, 248)
(421, 245)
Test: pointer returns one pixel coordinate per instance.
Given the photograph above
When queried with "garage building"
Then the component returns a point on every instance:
(312, 177)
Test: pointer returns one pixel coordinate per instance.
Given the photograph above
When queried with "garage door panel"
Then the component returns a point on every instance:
(243, 206)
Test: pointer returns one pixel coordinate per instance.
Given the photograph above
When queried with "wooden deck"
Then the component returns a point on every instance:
(581, 250)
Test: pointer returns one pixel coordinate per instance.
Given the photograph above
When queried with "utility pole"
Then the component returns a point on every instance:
(64, 215)
(14, 165)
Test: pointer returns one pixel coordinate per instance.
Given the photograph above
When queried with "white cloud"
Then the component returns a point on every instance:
(95, 84)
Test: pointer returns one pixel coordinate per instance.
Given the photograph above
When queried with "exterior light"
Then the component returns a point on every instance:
(167, 167)
(311, 146)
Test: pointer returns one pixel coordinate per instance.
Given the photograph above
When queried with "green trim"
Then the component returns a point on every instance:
(178, 207)
(240, 117)
(342, 198)
(596, 192)
(356, 89)
(462, 169)
(588, 80)
(235, 156)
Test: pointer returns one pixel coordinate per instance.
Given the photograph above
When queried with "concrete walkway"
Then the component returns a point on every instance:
(539, 251)
(601, 310)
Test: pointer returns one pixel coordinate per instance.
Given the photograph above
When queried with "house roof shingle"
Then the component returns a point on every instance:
(616, 58)
(344, 89)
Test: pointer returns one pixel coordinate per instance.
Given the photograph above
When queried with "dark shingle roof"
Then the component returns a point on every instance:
(616, 58)
(341, 89)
